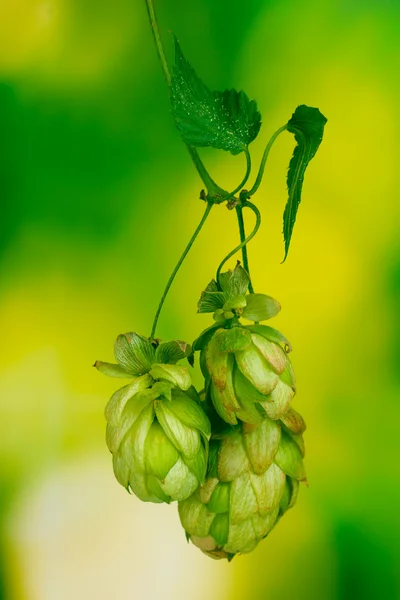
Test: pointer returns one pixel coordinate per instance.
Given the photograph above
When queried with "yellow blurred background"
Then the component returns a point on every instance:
(98, 200)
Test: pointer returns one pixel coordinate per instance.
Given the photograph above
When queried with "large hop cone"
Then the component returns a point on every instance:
(247, 371)
(157, 431)
(253, 479)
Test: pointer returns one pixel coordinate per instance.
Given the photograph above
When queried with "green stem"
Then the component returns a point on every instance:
(210, 184)
(157, 38)
(177, 267)
(245, 178)
(239, 213)
(264, 160)
(244, 242)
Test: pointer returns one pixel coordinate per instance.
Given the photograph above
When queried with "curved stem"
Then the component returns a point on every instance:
(245, 178)
(264, 160)
(245, 241)
(177, 267)
(239, 213)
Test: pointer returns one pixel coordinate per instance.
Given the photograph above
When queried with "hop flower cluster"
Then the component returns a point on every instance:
(232, 456)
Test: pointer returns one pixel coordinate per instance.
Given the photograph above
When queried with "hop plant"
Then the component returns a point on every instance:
(253, 479)
(234, 458)
(157, 431)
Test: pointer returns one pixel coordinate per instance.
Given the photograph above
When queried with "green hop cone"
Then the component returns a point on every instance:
(248, 374)
(157, 430)
(253, 479)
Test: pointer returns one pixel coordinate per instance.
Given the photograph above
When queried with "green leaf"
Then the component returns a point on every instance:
(210, 302)
(212, 286)
(260, 307)
(307, 125)
(170, 352)
(238, 282)
(111, 370)
(235, 302)
(226, 120)
(134, 353)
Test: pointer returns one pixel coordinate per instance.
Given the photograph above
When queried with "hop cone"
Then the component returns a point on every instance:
(253, 479)
(157, 431)
(248, 374)
(254, 465)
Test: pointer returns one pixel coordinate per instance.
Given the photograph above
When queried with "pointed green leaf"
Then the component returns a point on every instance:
(226, 120)
(260, 307)
(111, 370)
(134, 353)
(307, 125)
(170, 352)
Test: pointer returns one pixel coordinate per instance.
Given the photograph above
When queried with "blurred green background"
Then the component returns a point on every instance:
(98, 199)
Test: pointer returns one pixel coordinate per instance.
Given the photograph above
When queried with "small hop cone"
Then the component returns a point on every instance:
(248, 374)
(157, 430)
(253, 479)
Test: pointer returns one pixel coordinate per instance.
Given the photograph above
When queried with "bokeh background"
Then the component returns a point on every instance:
(98, 199)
